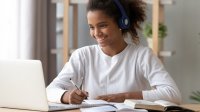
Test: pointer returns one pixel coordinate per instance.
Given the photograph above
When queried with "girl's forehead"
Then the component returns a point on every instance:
(97, 14)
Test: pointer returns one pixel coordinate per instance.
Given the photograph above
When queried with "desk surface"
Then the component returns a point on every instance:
(195, 107)
(18, 110)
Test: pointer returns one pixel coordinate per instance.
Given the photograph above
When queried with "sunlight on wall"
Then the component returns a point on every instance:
(8, 28)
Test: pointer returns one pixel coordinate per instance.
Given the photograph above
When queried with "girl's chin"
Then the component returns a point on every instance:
(102, 44)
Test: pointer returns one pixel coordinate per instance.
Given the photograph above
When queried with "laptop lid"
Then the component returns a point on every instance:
(22, 85)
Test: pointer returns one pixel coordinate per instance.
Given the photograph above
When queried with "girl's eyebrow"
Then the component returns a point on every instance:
(98, 23)
(102, 22)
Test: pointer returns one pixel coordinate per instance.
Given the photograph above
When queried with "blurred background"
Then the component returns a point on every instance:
(33, 29)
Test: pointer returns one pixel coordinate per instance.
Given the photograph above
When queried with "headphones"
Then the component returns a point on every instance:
(123, 22)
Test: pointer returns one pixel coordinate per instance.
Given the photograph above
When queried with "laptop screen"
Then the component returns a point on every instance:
(22, 85)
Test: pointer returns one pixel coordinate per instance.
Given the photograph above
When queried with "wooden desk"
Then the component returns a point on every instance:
(195, 107)
(18, 110)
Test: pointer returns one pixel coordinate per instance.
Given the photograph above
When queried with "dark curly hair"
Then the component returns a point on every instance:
(135, 10)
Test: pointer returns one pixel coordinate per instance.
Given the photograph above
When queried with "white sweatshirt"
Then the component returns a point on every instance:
(136, 68)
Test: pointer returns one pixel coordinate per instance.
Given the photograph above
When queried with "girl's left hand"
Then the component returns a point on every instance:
(112, 97)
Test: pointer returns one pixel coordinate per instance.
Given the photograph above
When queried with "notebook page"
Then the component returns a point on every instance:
(106, 108)
(165, 103)
(120, 108)
(96, 102)
(110, 106)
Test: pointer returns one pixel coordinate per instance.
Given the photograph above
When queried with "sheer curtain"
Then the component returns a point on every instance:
(9, 22)
(24, 31)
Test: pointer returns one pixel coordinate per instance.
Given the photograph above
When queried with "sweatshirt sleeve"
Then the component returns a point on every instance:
(163, 86)
(73, 69)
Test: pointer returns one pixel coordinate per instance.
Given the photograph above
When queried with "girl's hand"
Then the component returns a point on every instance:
(74, 96)
(120, 97)
(112, 97)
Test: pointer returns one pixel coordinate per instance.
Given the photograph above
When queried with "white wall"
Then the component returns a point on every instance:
(84, 37)
(183, 22)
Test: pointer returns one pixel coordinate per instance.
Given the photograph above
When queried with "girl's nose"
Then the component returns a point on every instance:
(97, 32)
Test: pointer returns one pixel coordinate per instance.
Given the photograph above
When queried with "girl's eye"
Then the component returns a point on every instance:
(103, 26)
(91, 27)
(99, 26)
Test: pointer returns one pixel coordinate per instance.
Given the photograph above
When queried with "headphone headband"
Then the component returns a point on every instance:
(124, 22)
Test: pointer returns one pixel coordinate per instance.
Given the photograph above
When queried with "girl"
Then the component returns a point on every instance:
(114, 70)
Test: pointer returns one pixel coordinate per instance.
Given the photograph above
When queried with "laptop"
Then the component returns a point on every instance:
(22, 86)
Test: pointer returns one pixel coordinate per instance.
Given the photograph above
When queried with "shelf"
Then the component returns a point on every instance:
(57, 1)
(59, 51)
(166, 53)
(163, 2)
(78, 1)
(71, 1)
(85, 1)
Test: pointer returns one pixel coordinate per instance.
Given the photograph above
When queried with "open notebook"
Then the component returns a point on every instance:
(109, 107)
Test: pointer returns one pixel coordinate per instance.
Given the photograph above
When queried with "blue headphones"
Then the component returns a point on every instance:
(124, 22)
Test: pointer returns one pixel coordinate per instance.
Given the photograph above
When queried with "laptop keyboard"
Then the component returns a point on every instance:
(59, 106)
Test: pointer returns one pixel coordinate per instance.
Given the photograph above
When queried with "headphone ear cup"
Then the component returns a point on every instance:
(124, 22)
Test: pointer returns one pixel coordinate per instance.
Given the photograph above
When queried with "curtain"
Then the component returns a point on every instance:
(29, 32)
(37, 32)
(9, 22)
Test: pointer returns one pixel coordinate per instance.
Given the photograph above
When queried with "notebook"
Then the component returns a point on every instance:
(110, 107)
(22, 86)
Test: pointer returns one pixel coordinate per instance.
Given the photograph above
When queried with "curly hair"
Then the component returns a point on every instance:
(135, 10)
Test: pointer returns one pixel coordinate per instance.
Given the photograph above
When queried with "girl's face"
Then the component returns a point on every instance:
(104, 29)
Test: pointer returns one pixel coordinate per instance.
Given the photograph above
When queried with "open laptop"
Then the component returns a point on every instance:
(22, 86)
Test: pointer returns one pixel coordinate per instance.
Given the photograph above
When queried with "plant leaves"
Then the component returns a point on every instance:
(195, 96)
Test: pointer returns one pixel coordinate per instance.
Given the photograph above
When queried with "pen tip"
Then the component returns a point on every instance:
(70, 79)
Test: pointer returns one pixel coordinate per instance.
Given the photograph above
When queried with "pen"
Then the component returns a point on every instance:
(74, 84)
(81, 82)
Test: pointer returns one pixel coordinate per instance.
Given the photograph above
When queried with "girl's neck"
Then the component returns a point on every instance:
(113, 50)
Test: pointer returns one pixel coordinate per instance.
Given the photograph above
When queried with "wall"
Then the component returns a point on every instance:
(182, 20)
(183, 23)
(84, 37)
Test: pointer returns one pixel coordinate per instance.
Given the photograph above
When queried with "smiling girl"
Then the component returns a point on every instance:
(114, 70)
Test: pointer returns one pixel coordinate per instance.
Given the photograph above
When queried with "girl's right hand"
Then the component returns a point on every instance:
(74, 96)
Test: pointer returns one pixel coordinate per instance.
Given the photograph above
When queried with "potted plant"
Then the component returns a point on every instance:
(162, 33)
(195, 96)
